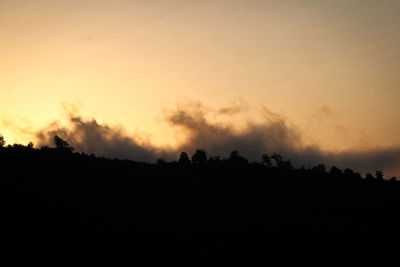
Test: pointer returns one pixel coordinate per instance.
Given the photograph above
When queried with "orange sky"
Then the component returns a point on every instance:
(329, 67)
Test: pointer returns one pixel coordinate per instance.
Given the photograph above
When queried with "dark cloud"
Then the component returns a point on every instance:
(324, 109)
(272, 135)
(238, 106)
(257, 138)
(91, 137)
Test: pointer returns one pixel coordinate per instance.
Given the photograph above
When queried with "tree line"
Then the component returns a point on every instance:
(54, 200)
(200, 158)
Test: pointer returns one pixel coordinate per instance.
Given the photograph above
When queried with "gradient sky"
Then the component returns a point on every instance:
(331, 68)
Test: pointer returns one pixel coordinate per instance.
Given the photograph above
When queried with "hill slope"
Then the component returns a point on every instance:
(58, 205)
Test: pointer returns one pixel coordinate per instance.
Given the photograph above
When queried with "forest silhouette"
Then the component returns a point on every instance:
(58, 204)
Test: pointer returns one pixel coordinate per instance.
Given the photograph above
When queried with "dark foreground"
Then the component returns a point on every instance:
(67, 209)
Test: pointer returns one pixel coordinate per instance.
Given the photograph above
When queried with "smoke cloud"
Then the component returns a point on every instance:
(103, 140)
(273, 134)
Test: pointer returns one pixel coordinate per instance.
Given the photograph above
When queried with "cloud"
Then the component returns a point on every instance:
(273, 134)
(236, 107)
(325, 110)
(91, 137)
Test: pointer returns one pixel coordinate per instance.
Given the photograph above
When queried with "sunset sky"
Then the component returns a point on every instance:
(329, 68)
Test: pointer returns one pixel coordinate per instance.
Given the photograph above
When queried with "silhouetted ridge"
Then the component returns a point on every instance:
(58, 199)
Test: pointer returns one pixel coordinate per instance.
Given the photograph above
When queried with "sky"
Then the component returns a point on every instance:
(329, 70)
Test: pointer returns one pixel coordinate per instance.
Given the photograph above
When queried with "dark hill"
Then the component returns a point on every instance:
(58, 207)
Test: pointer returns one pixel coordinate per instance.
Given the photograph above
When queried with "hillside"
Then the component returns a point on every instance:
(55, 203)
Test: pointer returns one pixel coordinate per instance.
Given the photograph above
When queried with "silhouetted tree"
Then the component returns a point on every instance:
(199, 157)
(61, 144)
(320, 168)
(357, 175)
(369, 177)
(379, 176)
(348, 172)
(278, 159)
(280, 163)
(161, 162)
(215, 160)
(234, 154)
(266, 160)
(236, 159)
(184, 159)
(2, 141)
(287, 164)
(335, 171)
